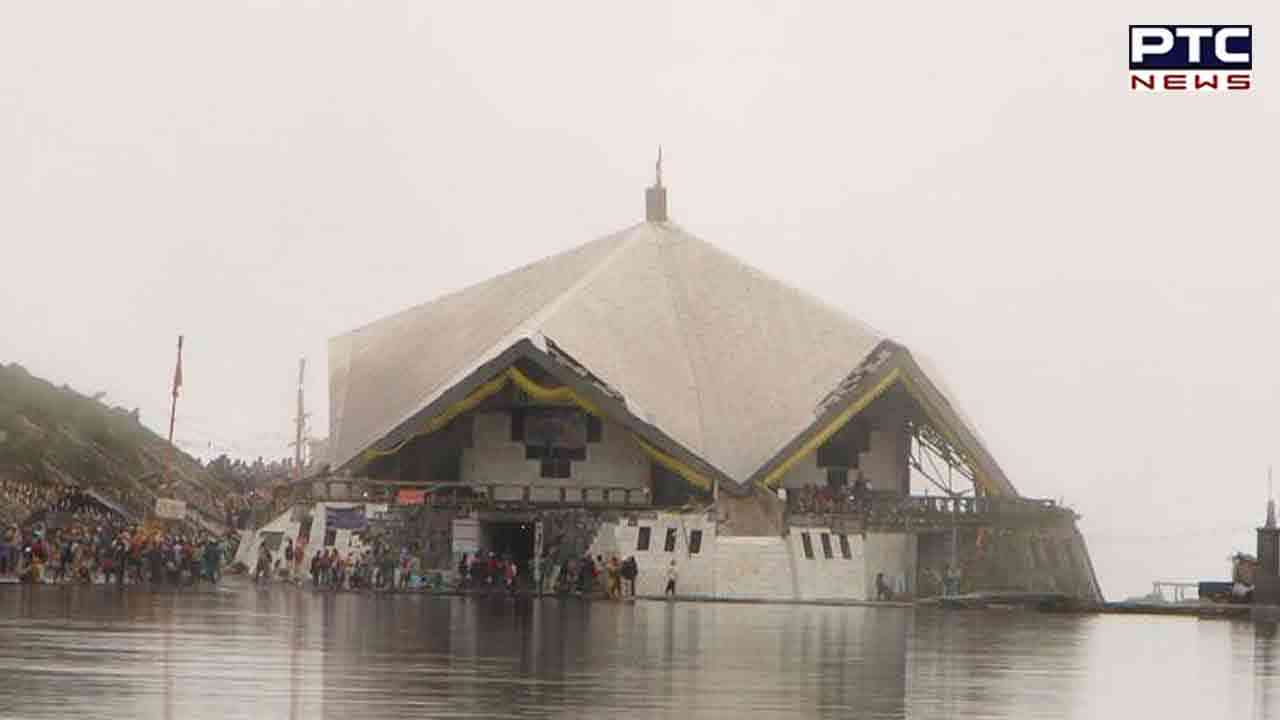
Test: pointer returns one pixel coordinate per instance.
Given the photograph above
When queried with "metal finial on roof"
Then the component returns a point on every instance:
(1271, 502)
(655, 198)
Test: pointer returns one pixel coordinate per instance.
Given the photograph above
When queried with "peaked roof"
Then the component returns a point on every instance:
(723, 359)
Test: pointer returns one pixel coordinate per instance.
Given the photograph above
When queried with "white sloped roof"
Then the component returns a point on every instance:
(724, 359)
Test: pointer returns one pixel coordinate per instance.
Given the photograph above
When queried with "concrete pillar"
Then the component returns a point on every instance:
(1269, 550)
(1266, 589)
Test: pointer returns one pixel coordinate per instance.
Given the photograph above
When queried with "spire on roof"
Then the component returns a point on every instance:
(655, 198)
(1271, 502)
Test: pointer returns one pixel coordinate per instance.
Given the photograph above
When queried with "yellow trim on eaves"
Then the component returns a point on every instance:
(896, 375)
(832, 428)
(439, 421)
(674, 465)
(562, 394)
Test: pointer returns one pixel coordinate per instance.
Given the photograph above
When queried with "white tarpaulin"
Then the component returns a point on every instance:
(466, 536)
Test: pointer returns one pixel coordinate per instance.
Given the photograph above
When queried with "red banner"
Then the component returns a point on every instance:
(411, 497)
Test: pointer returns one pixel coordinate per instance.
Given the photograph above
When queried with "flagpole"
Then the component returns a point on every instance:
(173, 409)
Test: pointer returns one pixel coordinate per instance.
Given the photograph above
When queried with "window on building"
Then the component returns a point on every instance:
(595, 429)
(559, 468)
(826, 546)
(834, 454)
(642, 541)
(844, 547)
(670, 544)
(545, 452)
(517, 425)
(695, 542)
(330, 537)
(837, 477)
(808, 545)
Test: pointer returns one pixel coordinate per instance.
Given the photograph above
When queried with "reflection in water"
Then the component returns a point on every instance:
(285, 653)
(1263, 673)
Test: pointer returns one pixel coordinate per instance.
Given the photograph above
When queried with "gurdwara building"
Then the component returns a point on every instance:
(649, 395)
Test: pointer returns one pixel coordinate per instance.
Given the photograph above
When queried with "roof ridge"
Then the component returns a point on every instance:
(800, 292)
(679, 308)
(521, 328)
(515, 331)
(536, 318)
(471, 286)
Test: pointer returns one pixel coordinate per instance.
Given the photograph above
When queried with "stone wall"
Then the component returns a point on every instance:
(1048, 559)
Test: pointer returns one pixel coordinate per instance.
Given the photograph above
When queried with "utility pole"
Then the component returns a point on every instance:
(300, 423)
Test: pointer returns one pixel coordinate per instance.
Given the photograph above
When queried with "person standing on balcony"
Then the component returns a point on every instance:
(860, 489)
(951, 581)
(672, 575)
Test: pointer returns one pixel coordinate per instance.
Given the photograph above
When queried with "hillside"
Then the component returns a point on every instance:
(53, 437)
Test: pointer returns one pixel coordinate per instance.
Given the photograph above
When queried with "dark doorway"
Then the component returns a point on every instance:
(511, 540)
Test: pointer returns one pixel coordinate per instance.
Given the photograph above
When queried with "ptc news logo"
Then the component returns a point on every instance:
(1190, 58)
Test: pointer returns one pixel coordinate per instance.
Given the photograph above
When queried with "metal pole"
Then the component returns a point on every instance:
(177, 381)
(953, 569)
(301, 420)
(538, 570)
(173, 413)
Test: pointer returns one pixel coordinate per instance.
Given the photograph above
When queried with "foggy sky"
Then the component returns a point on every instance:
(1093, 270)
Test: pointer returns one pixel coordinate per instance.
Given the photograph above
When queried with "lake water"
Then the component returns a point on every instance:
(288, 653)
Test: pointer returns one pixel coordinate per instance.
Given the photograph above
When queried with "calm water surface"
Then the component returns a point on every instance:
(288, 653)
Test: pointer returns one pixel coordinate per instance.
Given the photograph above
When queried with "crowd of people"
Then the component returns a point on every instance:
(375, 568)
(849, 498)
(585, 576)
(250, 502)
(84, 510)
(20, 499)
(246, 510)
(98, 554)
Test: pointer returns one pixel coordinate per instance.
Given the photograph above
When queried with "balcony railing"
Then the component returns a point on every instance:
(454, 495)
(515, 494)
(810, 506)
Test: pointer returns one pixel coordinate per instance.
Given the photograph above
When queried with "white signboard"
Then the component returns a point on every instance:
(466, 536)
(170, 509)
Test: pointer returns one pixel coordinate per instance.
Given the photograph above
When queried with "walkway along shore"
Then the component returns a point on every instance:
(988, 602)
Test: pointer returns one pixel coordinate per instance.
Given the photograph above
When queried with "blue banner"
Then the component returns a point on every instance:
(345, 518)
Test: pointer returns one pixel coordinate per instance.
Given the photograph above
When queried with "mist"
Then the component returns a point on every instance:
(1092, 269)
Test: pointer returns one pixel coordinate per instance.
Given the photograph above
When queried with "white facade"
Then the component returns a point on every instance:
(614, 462)
(724, 567)
(883, 465)
(344, 540)
(760, 568)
